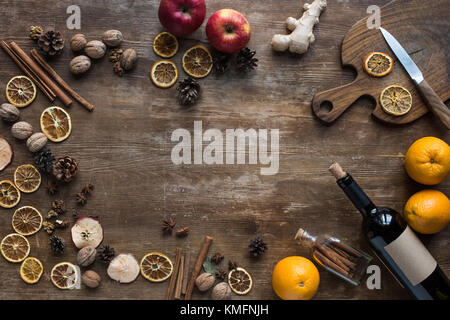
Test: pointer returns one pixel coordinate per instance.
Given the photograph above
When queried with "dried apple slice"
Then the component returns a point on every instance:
(124, 268)
(87, 232)
(6, 153)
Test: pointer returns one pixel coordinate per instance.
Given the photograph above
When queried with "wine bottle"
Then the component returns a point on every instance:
(395, 244)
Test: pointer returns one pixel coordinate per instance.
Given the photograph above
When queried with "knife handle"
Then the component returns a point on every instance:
(435, 103)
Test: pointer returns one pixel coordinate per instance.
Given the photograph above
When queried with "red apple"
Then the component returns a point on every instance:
(228, 30)
(181, 17)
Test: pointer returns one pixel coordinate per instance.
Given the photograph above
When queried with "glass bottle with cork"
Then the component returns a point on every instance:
(335, 256)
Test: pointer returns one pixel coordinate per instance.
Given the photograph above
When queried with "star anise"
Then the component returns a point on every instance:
(217, 258)
(88, 189)
(183, 232)
(232, 265)
(52, 187)
(221, 274)
(168, 225)
(81, 198)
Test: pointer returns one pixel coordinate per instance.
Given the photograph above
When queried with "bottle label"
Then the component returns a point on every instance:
(411, 256)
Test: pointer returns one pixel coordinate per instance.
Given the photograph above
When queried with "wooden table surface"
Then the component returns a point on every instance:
(124, 149)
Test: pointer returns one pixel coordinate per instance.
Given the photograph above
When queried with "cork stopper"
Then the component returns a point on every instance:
(337, 171)
(299, 234)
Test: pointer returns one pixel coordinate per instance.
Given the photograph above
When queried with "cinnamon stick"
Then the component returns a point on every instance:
(33, 66)
(330, 263)
(60, 80)
(173, 278)
(179, 279)
(30, 74)
(347, 249)
(198, 266)
(187, 260)
(331, 255)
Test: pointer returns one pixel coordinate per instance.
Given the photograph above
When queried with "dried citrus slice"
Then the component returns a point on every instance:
(156, 267)
(27, 178)
(64, 275)
(9, 194)
(56, 124)
(164, 73)
(27, 220)
(240, 281)
(197, 62)
(20, 91)
(15, 247)
(31, 270)
(378, 64)
(396, 100)
(165, 45)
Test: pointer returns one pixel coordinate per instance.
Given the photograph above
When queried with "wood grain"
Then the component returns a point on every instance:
(124, 147)
(403, 19)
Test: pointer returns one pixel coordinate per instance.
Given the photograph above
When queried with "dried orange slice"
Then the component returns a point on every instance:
(27, 220)
(156, 267)
(165, 45)
(65, 275)
(197, 62)
(15, 247)
(378, 64)
(56, 124)
(396, 100)
(164, 73)
(31, 270)
(27, 178)
(9, 194)
(240, 281)
(20, 91)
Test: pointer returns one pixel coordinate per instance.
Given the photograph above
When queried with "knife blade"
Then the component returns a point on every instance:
(430, 97)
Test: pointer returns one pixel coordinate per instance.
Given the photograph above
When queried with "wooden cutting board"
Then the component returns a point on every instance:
(422, 28)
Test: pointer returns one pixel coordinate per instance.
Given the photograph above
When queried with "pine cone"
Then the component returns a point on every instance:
(57, 244)
(188, 92)
(105, 253)
(245, 60)
(35, 32)
(221, 62)
(51, 42)
(65, 169)
(257, 246)
(43, 159)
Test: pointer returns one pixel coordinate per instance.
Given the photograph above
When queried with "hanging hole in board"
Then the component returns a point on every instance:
(325, 107)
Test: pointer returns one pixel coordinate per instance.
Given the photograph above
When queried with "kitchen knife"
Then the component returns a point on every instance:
(430, 97)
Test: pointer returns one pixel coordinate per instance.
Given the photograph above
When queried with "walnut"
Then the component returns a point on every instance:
(95, 49)
(86, 256)
(112, 38)
(36, 142)
(9, 113)
(91, 279)
(80, 64)
(205, 281)
(78, 42)
(21, 130)
(221, 291)
(128, 59)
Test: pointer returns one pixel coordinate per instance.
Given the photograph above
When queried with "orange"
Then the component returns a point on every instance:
(31, 270)
(197, 62)
(427, 211)
(295, 278)
(396, 100)
(378, 64)
(428, 161)
(156, 267)
(56, 123)
(20, 91)
(164, 73)
(165, 45)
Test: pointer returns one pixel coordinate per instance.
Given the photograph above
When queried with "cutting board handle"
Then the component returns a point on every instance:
(331, 104)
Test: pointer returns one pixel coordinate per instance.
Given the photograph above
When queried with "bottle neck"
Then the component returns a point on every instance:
(356, 195)
(305, 238)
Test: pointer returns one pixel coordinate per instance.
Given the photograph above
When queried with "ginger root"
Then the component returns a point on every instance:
(302, 29)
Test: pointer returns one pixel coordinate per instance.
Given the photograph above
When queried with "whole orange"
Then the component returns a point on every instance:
(295, 278)
(427, 211)
(428, 160)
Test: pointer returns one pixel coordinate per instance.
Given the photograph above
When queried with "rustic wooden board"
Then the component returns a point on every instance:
(124, 148)
(409, 22)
